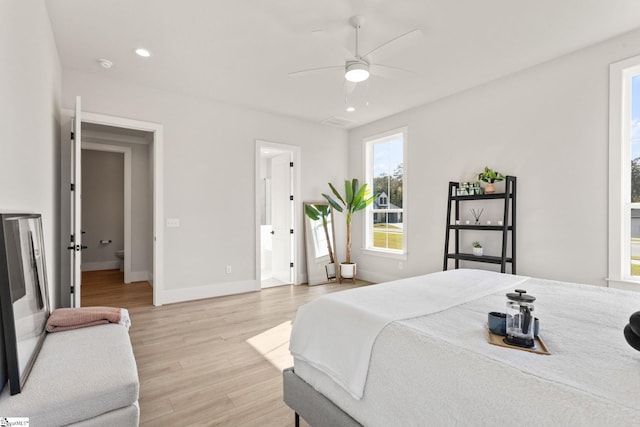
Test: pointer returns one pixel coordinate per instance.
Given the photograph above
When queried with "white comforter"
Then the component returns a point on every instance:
(438, 369)
(335, 333)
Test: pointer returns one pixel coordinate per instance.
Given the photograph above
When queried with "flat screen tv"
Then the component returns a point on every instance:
(24, 300)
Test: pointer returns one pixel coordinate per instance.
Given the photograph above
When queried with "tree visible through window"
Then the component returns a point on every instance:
(385, 175)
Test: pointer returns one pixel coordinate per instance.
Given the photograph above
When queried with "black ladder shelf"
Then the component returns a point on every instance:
(508, 227)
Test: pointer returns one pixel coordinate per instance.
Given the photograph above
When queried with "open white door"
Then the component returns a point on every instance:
(76, 205)
(281, 217)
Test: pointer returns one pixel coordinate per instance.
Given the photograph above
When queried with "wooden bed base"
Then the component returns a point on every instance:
(309, 404)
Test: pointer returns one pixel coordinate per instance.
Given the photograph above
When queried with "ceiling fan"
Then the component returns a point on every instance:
(359, 68)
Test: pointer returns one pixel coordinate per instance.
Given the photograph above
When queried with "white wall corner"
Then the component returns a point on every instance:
(140, 276)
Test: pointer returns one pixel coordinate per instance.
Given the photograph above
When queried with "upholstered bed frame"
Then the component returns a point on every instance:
(309, 404)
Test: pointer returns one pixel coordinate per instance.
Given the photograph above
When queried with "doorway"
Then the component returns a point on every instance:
(154, 133)
(118, 232)
(276, 189)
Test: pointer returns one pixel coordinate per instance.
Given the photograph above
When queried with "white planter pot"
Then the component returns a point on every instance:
(348, 271)
(477, 251)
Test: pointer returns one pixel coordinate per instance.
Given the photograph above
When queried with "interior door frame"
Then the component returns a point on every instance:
(298, 235)
(156, 146)
(126, 151)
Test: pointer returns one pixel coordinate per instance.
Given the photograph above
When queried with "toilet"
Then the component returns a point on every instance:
(120, 256)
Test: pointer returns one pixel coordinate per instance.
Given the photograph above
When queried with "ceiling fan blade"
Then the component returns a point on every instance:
(310, 70)
(375, 69)
(388, 42)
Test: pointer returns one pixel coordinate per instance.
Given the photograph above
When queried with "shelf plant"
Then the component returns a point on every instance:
(490, 176)
(477, 248)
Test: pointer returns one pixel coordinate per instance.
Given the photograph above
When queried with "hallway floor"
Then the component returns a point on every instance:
(107, 288)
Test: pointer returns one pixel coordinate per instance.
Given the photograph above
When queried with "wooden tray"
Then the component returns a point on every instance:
(498, 340)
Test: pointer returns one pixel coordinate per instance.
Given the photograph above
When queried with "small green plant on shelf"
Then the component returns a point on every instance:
(477, 248)
(490, 176)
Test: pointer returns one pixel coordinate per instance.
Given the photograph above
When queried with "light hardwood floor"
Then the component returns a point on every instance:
(213, 362)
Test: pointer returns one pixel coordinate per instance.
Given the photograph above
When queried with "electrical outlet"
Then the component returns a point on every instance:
(228, 269)
(173, 222)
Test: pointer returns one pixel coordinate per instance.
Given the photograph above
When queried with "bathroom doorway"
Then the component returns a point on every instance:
(106, 207)
(124, 128)
(276, 196)
(131, 246)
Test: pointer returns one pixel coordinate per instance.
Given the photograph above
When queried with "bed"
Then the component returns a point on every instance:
(426, 359)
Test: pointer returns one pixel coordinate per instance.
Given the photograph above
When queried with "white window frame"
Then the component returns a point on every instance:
(620, 74)
(368, 223)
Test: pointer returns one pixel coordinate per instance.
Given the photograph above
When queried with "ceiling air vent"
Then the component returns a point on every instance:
(338, 122)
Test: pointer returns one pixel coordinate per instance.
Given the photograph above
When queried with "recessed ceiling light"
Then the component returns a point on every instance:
(351, 109)
(105, 63)
(143, 52)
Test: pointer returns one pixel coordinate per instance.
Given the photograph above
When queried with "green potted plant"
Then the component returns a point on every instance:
(490, 176)
(355, 198)
(318, 212)
(477, 248)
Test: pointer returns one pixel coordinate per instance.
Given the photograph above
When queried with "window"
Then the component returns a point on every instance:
(386, 177)
(624, 172)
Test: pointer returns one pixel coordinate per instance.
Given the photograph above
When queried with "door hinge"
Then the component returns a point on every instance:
(291, 197)
(290, 164)
(291, 264)
(73, 289)
(73, 136)
(291, 230)
(72, 239)
(73, 187)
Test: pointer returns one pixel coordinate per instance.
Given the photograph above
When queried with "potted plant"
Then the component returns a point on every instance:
(355, 199)
(477, 248)
(490, 176)
(322, 212)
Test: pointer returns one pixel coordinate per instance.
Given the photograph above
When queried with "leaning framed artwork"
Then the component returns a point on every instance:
(24, 299)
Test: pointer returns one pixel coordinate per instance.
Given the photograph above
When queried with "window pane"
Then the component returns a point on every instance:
(635, 139)
(388, 230)
(388, 173)
(385, 175)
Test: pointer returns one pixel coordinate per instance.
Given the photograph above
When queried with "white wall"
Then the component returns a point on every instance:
(548, 126)
(209, 177)
(30, 86)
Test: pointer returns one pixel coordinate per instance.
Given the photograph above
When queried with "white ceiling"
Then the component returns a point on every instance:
(241, 51)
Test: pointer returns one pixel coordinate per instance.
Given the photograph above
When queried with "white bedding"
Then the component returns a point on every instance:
(335, 333)
(438, 369)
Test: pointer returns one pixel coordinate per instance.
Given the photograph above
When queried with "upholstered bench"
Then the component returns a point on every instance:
(82, 377)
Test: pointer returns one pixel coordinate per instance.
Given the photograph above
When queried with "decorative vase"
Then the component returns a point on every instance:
(489, 189)
(477, 251)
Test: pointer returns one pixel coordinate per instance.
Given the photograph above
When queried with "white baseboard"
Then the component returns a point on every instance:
(168, 296)
(102, 265)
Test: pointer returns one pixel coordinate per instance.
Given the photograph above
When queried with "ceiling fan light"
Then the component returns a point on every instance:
(356, 72)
